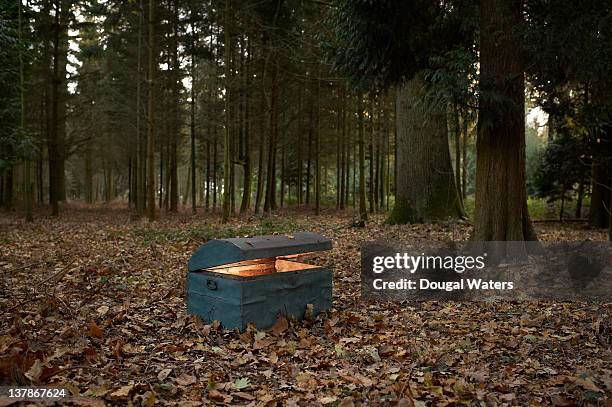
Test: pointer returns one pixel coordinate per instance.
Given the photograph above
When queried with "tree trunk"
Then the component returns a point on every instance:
(348, 145)
(247, 180)
(192, 160)
(610, 216)
(88, 174)
(62, 97)
(501, 199)
(214, 170)
(363, 212)
(600, 196)
(457, 133)
(228, 116)
(27, 182)
(464, 146)
(343, 149)
(580, 197)
(150, 116)
(425, 188)
(161, 177)
(300, 144)
(172, 191)
(52, 140)
(309, 158)
(270, 198)
(140, 160)
(372, 183)
(318, 147)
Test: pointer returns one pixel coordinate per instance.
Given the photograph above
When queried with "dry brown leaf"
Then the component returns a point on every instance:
(280, 325)
(163, 374)
(123, 391)
(95, 331)
(185, 380)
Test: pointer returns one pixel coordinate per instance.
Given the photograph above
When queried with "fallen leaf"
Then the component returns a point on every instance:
(243, 395)
(242, 383)
(35, 371)
(123, 391)
(280, 325)
(163, 374)
(185, 380)
(102, 310)
(95, 331)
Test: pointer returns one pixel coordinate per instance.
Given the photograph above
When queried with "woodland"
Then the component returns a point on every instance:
(131, 132)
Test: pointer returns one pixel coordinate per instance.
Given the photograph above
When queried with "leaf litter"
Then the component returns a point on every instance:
(95, 302)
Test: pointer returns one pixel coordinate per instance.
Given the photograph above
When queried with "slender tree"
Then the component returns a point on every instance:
(151, 115)
(27, 183)
(228, 114)
(363, 212)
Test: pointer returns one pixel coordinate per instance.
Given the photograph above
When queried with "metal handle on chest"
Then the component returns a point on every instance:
(211, 284)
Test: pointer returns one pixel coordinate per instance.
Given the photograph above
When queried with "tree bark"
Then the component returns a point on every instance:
(501, 199)
(363, 212)
(425, 185)
(318, 147)
(372, 183)
(140, 150)
(27, 182)
(150, 116)
(600, 195)
(270, 198)
(228, 116)
(53, 137)
(300, 144)
(246, 159)
(610, 216)
(192, 159)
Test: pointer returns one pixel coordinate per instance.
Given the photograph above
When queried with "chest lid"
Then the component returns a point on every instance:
(218, 252)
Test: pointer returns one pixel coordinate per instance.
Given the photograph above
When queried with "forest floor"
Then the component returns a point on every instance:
(95, 301)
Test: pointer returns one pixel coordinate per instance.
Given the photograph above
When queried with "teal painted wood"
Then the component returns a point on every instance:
(236, 301)
(225, 251)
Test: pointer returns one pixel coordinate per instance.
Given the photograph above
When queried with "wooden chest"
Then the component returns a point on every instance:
(254, 280)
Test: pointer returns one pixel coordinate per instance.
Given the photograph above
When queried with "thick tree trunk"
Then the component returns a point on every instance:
(425, 186)
(501, 199)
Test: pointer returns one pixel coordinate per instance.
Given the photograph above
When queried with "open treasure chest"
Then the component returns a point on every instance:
(239, 281)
